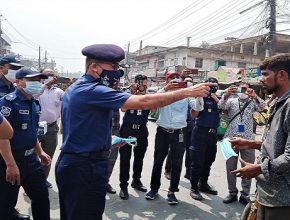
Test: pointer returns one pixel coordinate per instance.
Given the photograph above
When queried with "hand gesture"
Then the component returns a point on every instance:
(240, 143)
(45, 159)
(172, 85)
(251, 93)
(201, 89)
(232, 89)
(248, 170)
(13, 175)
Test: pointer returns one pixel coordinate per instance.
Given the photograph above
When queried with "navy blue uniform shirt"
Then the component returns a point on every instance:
(87, 110)
(209, 117)
(23, 115)
(4, 89)
(139, 117)
(1, 118)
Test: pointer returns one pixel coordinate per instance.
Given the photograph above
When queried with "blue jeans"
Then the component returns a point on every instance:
(81, 182)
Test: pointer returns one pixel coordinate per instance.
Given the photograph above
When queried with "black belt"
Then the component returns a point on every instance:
(51, 124)
(134, 126)
(24, 153)
(170, 130)
(209, 130)
(94, 154)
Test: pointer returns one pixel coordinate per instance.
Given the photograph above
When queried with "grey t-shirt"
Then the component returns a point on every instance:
(273, 185)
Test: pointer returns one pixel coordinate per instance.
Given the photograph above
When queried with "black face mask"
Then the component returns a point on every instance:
(110, 77)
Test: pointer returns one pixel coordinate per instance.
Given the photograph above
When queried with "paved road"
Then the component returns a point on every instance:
(137, 207)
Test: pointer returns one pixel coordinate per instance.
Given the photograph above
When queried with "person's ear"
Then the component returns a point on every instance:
(283, 76)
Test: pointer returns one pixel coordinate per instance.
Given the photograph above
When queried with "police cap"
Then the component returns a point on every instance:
(104, 52)
(10, 59)
(212, 80)
(27, 72)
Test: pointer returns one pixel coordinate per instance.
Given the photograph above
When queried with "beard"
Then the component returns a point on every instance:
(273, 89)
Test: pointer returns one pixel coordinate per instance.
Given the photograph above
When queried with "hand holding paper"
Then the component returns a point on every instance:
(227, 150)
(118, 140)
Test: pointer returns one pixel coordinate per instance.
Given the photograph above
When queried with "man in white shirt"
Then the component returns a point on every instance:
(50, 102)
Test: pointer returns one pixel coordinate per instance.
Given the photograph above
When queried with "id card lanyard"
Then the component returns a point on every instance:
(241, 126)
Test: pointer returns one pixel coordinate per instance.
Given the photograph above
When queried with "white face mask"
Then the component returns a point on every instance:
(242, 95)
(11, 75)
(50, 78)
(189, 84)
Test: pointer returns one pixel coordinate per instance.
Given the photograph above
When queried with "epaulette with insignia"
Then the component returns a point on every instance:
(10, 97)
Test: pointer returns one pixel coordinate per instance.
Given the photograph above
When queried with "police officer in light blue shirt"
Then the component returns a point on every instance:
(170, 134)
(19, 161)
(87, 108)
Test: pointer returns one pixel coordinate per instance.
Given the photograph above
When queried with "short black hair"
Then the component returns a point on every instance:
(277, 63)
(140, 77)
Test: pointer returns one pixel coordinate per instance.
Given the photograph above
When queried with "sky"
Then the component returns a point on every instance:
(64, 27)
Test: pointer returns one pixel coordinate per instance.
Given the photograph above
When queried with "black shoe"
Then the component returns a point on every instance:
(167, 175)
(124, 194)
(204, 187)
(110, 189)
(17, 215)
(187, 176)
(172, 199)
(195, 194)
(244, 200)
(151, 195)
(48, 184)
(139, 186)
(230, 198)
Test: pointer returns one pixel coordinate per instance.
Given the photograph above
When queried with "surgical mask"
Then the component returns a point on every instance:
(227, 150)
(50, 78)
(110, 77)
(33, 87)
(242, 95)
(189, 84)
(11, 75)
(176, 80)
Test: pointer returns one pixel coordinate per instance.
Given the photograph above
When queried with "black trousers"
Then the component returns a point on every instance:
(33, 182)
(164, 141)
(141, 133)
(187, 138)
(202, 153)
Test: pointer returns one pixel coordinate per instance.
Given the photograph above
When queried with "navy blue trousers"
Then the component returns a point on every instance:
(81, 182)
(33, 182)
(202, 153)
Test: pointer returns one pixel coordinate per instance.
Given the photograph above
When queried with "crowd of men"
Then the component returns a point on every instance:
(189, 116)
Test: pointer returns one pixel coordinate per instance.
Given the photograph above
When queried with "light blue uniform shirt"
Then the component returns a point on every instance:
(174, 115)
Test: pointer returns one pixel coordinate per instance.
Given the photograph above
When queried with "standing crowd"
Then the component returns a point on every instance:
(189, 116)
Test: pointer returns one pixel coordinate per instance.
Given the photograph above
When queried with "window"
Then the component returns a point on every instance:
(198, 62)
(219, 63)
(242, 65)
(184, 61)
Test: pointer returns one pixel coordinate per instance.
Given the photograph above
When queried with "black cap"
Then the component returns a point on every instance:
(10, 59)
(26, 72)
(104, 52)
(212, 80)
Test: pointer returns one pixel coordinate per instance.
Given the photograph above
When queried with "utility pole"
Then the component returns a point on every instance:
(127, 65)
(1, 33)
(39, 58)
(272, 27)
(45, 59)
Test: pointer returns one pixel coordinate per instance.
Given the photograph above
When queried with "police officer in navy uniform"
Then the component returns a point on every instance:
(19, 161)
(87, 107)
(204, 144)
(9, 64)
(134, 125)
